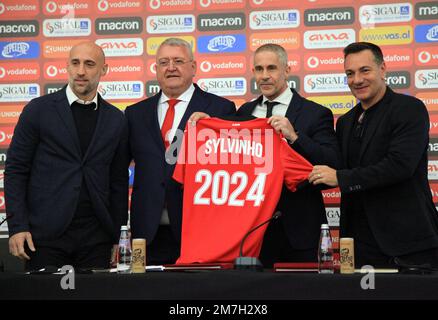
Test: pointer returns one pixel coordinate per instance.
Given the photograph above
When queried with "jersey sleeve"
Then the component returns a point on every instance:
(296, 167)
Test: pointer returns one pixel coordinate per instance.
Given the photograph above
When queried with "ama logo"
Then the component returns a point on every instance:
(222, 43)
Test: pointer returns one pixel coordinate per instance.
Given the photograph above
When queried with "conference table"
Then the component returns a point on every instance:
(220, 285)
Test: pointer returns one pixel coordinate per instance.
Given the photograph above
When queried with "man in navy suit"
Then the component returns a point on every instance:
(309, 129)
(154, 127)
(66, 174)
(386, 203)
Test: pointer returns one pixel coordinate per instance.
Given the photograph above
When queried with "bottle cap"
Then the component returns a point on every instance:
(124, 228)
(324, 226)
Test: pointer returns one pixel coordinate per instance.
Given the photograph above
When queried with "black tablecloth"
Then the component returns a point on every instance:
(219, 285)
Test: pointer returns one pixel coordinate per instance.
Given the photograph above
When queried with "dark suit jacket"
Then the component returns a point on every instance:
(45, 167)
(153, 183)
(303, 210)
(392, 176)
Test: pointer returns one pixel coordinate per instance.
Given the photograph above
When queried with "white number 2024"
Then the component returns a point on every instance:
(222, 196)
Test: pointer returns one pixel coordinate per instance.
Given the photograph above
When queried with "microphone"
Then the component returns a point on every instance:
(252, 263)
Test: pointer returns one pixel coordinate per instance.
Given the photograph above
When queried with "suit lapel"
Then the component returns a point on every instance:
(372, 127)
(150, 116)
(293, 110)
(63, 109)
(347, 121)
(248, 108)
(102, 118)
(198, 102)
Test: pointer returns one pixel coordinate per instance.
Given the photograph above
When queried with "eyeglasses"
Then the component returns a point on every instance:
(176, 62)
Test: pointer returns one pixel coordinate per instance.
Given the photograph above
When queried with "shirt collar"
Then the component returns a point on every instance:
(185, 96)
(284, 98)
(72, 97)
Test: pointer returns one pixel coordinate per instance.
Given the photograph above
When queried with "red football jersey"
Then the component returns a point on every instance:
(233, 173)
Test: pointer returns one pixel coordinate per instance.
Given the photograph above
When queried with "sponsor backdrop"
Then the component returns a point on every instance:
(36, 36)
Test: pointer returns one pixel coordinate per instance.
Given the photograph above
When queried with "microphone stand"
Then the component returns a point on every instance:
(251, 263)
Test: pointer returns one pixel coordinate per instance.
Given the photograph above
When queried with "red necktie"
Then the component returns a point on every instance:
(168, 120)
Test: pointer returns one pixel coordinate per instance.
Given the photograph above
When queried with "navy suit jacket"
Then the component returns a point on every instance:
(392, 177)
(153, 183)
(304, 210)
(45, 167)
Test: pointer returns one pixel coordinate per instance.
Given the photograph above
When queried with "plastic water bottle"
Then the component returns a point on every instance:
(124, 254)
(325, 252)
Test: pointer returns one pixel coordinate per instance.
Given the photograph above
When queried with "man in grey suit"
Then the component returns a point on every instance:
(66, 174)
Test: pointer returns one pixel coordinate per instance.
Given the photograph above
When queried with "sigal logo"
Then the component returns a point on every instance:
(329, 16)
(19, 71)
(385, 13)
(331, 82)
(221, 22)
(222, 43)
(329, 38)
(222, 65)
(425, 79)
(121, 46)
(19, 92)
(432, 170)
(25, 8)
(121, 89)
(333, 216)
(224, 86)
(170, 24)
(19, 50)
(274, 19)
(79, 27)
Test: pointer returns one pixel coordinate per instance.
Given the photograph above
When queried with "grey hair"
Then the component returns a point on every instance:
(275, 48)
(177, 42)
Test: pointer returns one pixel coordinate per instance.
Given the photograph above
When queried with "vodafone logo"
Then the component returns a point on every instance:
(155, 4)
(205, 66)
(153, 68)
(2, 136)
(2, 8)
(51, 7)
(2, 202)
(52, 71)
(2, 72)
(313, 62)
(205, 3)
(258, 2)
(424, 57)
(103, 5)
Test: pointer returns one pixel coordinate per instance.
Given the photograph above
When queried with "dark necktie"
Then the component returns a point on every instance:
(269, 106)
(168, 120)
